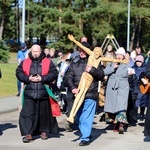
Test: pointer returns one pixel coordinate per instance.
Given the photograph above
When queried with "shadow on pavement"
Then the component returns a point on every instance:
(96, 133)
(6, 126)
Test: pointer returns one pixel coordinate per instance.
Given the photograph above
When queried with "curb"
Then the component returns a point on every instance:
(8, 111)
(9, 104)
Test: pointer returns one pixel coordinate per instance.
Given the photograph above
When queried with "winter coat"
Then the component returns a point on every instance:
(117, 89)
(142, 99)
(36, 90)
(74, 74)
(147, 72)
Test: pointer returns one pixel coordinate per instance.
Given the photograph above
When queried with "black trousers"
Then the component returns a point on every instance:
(36, 117)
(131, 109)
(147, 120)
(69, 107)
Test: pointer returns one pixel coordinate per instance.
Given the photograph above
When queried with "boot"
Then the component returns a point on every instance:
(141, 117)
(121, 128)
(142, 109)
(68, 127)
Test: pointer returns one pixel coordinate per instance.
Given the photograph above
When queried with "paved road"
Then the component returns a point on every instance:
(103, 137)
(9, 104)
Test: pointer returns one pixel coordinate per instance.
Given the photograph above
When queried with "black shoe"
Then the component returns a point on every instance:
(102, 119)
(90, 137)
(147, 139)
(142, 117)
(69, 130)
(84, 143)
(121, 129)
(68, 127)
(132, 124)
(18, 94)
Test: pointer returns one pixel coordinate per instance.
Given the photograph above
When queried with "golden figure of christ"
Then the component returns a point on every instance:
(95, 57)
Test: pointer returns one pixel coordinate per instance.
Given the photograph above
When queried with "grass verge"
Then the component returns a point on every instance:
(8, 82)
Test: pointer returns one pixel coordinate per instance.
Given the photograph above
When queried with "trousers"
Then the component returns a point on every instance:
(86, 116)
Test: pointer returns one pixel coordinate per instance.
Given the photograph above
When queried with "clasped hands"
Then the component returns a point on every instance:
(36, 78)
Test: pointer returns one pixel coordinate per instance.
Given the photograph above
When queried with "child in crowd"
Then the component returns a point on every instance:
(142, 99)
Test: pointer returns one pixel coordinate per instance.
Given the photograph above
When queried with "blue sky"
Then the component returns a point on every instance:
(20, 2)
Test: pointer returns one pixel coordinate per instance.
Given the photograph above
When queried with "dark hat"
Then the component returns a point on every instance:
(85, 44)
(139, 58)
(23, 45)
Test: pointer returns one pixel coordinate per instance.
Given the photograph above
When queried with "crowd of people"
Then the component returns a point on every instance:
(73, 81)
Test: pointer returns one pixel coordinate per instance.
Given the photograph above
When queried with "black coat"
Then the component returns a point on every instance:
(32, 89)
(147, 117)
(74, 74)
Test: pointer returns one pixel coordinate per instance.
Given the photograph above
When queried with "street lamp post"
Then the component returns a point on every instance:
(128, 29)
(23, 21)
(18, 23)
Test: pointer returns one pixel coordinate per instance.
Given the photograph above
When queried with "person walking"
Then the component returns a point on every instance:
(62, 95)
(95, 58)
(87, 110)
(144, 75)
(131, 109)
(142, 99)
(36, 114)
(20, 57)
(117, 91)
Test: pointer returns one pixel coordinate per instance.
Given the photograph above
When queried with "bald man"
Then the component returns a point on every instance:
(36, 115)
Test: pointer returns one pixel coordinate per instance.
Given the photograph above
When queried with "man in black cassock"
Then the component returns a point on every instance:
(36, 115)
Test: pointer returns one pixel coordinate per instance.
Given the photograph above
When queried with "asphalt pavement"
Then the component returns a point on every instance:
(103, 136)
(9, 104)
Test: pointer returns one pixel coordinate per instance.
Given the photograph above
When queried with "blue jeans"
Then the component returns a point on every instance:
(19, 86)
(86, 116)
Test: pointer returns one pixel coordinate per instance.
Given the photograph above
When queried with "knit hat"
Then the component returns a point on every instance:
(121, 51)
(23, 45)
(139, 58)
(85, 44)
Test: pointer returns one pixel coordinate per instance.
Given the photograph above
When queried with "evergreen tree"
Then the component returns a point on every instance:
(55, 19)
(4, 52)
